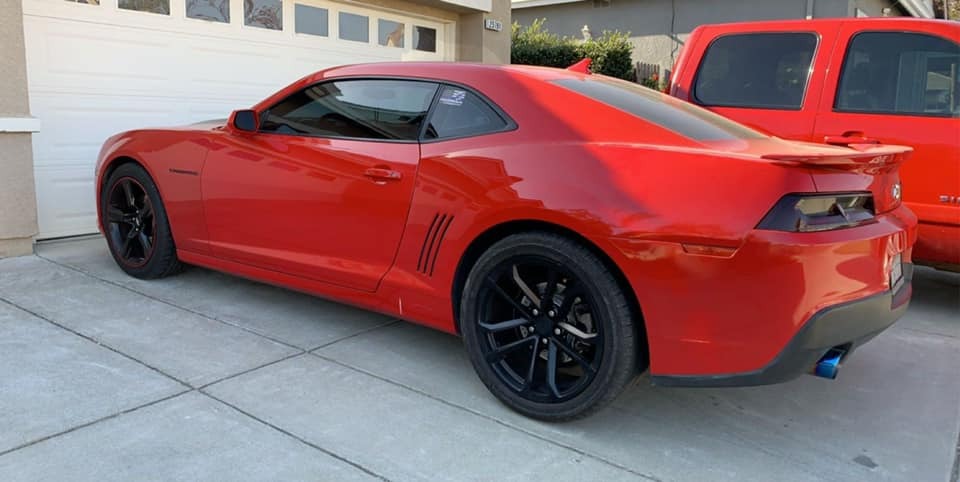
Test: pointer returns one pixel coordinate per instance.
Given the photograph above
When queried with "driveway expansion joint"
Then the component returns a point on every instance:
(297, 437)
(386, 324)
(172, 304)
(95, 422)
(95, 341)
(496, 420)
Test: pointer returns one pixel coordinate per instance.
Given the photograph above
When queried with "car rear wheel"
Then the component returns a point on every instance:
(135, 224)
(547, 327)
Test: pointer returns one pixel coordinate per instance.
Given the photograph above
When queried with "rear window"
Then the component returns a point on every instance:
(757, 70)
(673, 114)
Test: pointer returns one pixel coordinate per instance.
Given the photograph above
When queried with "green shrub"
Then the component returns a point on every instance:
(533, 45)
(611, 53)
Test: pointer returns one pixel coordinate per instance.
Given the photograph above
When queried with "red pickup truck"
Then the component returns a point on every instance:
(845, 82)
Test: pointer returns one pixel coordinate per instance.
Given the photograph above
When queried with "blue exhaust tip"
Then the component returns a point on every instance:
(829, 365)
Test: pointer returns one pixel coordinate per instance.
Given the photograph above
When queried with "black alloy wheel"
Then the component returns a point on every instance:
(131, 222)
(135, 224)
(548, 328)
(538, 331)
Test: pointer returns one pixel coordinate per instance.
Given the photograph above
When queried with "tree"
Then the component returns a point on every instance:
(939, 9)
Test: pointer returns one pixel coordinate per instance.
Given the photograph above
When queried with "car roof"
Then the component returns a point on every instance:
(878, 22)
(453, 71)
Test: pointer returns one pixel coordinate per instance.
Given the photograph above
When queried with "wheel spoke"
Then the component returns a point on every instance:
(526, 289)
(115, 215)
(128, 193)
(577, 332)
(552, 369)
(125, 251)
(147, 211)
(504, 350)
(573, 354)
(503, 294)
(534, 356)
(504, 325)
(144, 242)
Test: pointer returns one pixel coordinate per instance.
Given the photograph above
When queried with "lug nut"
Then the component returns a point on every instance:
(536, 312)
(533, 329)
(556, 331)
(551, 313)
(546, 340)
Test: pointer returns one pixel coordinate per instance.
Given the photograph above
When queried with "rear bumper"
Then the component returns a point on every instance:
(849, 324)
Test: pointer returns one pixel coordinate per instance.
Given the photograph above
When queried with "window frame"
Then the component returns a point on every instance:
(843, 69)
(806, 88)
(260, 115)
(509, 123)
(431, 108)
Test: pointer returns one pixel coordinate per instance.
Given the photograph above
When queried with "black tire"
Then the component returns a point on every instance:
(135, 224)
(518, 372)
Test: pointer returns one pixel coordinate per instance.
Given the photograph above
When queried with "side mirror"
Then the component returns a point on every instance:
(246, 120)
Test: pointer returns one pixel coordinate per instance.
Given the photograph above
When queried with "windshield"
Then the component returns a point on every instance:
(676, 115)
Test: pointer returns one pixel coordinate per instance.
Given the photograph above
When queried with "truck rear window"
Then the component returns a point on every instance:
(673, 114)
(756, 70)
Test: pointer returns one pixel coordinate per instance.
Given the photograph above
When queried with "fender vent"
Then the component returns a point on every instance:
(431, 243)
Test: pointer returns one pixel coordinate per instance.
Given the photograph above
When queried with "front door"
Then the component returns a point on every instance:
(322, 190)
(902, 87)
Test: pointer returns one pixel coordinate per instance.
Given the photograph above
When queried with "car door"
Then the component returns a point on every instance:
(903, 87)
(769, 79)
(322, 189)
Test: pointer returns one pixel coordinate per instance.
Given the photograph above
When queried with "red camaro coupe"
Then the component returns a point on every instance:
(576, 230)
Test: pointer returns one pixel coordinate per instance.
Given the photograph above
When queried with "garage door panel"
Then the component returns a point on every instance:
(75, 126)
(96, 70)
(73, 210)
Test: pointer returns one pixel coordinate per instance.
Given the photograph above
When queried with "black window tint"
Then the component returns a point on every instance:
(685, 119)
(762, 70)
(460, 113)
(367, 109)
(900, 73)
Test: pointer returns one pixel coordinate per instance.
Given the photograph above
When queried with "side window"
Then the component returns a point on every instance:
(759, 70)
(461, 113)
(364, 109)
(900, 73)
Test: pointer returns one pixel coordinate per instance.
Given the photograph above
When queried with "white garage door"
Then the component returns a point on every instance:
(96, 68)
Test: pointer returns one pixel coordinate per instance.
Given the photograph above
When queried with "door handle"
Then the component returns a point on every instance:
(848, 138)
(382, 174)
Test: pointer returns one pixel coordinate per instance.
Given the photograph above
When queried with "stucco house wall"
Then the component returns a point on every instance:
(18, 206)
(658, 28)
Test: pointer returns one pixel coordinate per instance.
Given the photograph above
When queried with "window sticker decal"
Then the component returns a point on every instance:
(453, 97)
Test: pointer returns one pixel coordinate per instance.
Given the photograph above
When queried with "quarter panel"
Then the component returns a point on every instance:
(604, 192)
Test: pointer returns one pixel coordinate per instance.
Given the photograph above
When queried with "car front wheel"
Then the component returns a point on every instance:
(135, 224)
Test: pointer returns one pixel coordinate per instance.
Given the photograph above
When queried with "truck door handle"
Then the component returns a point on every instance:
(382, 174)
(848, 138)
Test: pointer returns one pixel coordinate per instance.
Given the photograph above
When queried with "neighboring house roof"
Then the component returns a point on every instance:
(916, 8)
(515, 4)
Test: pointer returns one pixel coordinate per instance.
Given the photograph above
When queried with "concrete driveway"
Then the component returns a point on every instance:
(204, 376)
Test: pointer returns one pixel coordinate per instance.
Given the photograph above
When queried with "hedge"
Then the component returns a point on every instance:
(611, 53)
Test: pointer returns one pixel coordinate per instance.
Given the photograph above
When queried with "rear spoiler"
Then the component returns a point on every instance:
(582, 66)
(860, 157)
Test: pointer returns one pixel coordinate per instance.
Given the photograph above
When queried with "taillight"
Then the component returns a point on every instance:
(819, 212)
